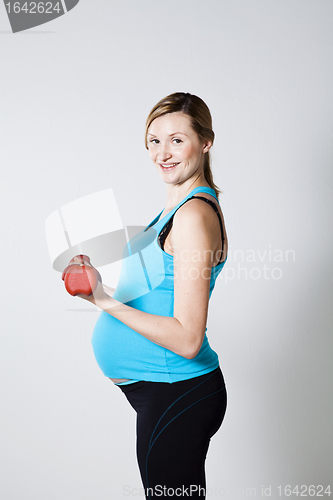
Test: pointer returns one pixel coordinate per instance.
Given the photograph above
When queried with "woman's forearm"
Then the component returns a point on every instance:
(165, 331)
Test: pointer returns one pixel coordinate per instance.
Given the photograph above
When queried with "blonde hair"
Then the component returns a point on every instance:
(201, 121)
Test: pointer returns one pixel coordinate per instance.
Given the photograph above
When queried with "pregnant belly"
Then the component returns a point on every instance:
(122, 353)
(119, 380)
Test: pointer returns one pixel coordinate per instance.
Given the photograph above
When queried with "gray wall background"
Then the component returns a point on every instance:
(75, 94)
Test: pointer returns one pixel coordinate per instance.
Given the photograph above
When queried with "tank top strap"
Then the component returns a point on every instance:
(212, 204)
(202, 189)
(157, 221)
(153, 222)
(168, 221)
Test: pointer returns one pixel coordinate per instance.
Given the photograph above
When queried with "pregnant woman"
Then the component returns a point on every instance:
(150, 338)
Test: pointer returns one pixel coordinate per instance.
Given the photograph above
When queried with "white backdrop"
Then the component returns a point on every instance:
(75, 94)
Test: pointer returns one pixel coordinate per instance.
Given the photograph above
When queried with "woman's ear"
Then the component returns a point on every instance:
(207, 146)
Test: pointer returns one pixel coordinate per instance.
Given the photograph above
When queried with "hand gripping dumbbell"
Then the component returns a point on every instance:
(80, 277)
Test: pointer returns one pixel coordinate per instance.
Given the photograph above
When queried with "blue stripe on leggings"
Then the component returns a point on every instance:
(151, 444)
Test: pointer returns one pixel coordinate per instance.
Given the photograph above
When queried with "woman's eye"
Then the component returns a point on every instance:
(154, 141)
(177, 141)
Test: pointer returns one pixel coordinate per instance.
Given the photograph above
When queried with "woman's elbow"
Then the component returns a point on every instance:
(193, 349)
(190, 355)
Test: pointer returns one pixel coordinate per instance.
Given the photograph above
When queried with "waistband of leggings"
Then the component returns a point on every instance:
(194, 380)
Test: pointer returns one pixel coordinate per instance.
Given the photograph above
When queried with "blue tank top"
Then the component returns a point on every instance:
(147, 283)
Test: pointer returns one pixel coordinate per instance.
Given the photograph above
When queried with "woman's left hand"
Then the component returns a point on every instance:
(100, 295)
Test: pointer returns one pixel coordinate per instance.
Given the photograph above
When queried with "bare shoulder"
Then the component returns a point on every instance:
(194, 226)
(195, 212)
(197, 226)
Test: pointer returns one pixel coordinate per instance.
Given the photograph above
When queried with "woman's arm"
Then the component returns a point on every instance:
(109, 289)
(193, 243)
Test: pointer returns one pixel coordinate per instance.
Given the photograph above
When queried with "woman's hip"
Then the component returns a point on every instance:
(207, 393)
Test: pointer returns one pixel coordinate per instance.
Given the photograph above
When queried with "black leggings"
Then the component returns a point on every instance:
(174, 425)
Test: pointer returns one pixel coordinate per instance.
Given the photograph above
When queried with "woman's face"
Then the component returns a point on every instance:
(175, 148)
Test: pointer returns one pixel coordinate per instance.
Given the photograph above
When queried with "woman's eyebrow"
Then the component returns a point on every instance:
(174, 133)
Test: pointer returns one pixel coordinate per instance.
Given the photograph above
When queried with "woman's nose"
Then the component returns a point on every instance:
(164, 153)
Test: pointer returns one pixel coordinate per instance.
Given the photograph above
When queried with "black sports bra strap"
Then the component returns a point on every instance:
(166, 229)
(212, 204)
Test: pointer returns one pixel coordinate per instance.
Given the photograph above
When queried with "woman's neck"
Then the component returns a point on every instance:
(176, 193)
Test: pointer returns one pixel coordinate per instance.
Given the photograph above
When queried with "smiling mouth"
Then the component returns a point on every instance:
(168, 166)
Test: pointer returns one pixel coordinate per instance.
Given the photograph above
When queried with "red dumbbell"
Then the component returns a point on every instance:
(80, 277)
(78, 259)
